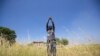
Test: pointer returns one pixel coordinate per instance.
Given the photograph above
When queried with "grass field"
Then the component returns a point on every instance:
(79, 50)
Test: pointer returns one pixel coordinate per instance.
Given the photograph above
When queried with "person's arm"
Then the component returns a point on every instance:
(47, 25)
(53, 25)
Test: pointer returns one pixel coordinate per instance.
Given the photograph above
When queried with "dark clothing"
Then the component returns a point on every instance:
(49, 27)
(51, 42)
(51, 45)
(51, 37)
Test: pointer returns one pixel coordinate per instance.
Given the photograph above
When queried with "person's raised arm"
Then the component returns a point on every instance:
(52, 24)
(47, 25)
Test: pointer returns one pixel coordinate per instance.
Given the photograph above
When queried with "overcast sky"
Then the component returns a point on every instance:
(76, 20)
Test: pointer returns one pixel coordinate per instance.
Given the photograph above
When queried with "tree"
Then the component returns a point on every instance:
(64, 41)
(8, 34)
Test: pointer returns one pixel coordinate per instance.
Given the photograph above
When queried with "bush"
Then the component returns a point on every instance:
(62, 41)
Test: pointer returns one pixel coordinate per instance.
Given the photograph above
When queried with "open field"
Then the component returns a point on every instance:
(79, 50)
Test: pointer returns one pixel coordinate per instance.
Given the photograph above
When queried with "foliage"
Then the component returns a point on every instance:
(8, 34)
(62, 41)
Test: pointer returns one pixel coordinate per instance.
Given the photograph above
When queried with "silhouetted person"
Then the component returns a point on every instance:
(51, 42)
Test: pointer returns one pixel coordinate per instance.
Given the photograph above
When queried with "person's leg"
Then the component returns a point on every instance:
(49, 49)
(54, 52)
(54, 49)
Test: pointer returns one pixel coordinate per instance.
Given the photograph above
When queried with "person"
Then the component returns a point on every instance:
(51, 42)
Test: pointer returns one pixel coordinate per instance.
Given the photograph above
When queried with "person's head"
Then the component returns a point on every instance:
(50, 28)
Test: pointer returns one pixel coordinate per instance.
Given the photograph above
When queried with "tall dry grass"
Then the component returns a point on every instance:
(79, 50)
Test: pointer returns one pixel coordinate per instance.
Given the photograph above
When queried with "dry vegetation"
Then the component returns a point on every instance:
(79, 50)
